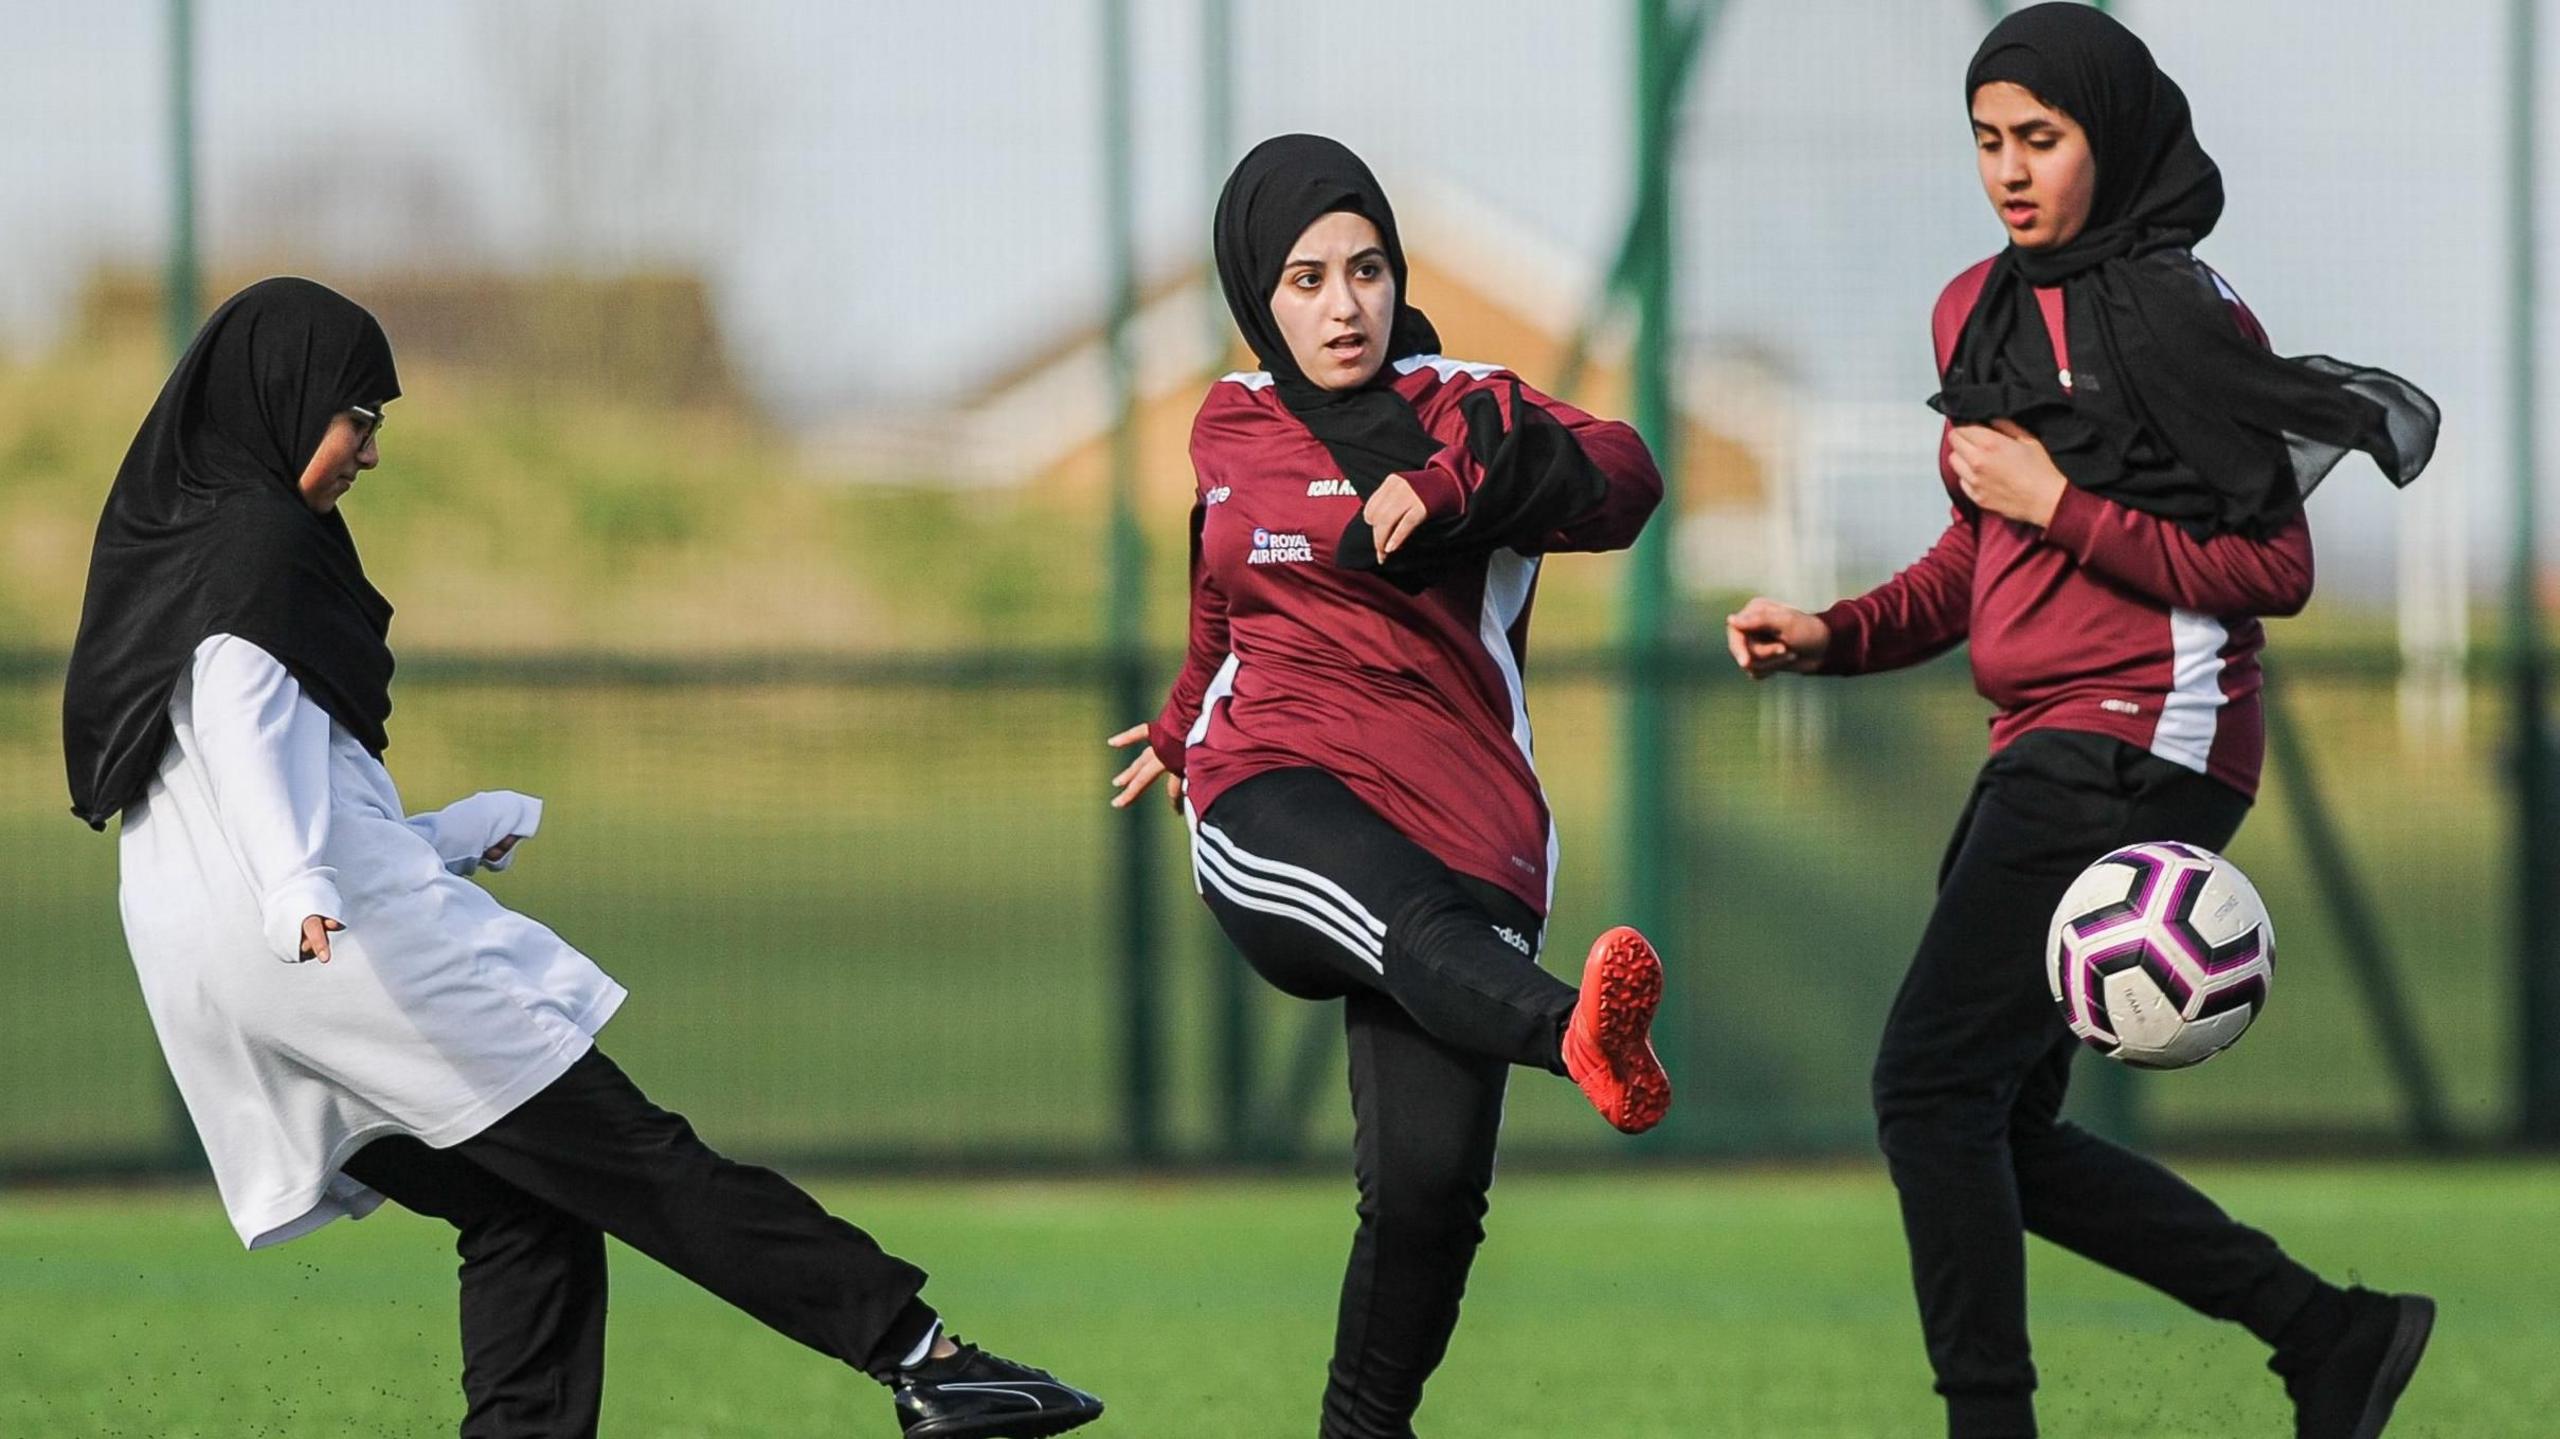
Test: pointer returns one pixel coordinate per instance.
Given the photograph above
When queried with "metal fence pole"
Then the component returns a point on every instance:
(2537, 847)
(1650, 863)
(1687, 41)
(1142, 1076)
(181, 308)
(182, 282)
(1217, 151)
(1237, 1037)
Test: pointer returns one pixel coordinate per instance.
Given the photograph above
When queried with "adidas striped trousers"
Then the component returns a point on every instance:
(1442, 995)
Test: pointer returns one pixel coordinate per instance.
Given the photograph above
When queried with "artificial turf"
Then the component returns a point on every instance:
(1684, 1302)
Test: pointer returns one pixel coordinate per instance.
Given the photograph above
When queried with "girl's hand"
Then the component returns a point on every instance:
(1769, 638)
(316, 930)
(1142, 771)
(2006, 470)
(497, 853)
(1392, 512)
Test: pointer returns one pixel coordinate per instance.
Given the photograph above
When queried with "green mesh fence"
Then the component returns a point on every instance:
(862, 911)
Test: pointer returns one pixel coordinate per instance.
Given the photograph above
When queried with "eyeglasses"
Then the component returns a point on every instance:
(372, 418)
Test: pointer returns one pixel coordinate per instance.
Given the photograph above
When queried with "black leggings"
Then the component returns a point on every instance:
(1970, 1077)
(1442, 994)
(533, 1196)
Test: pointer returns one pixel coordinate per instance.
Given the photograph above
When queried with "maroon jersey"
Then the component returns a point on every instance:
(1413, 701)
(2109, 620)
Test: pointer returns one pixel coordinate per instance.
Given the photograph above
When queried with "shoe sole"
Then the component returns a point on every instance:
(2399, 1362)
(1628, 979)
(1022, 1426)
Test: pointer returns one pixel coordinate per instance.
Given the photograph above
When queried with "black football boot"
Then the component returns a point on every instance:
(977, 1395)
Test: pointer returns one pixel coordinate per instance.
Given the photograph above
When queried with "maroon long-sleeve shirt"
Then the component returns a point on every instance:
(1413, 701)
(2107, 620)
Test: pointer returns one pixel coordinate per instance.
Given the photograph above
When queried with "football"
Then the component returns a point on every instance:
(2160, 955)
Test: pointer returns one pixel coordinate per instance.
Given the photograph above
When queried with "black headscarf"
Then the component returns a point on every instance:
(2173, 410)
(1535, 472)
(205, 533)
(1282, 186)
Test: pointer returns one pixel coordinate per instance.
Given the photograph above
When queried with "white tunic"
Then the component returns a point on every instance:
(439, 1011)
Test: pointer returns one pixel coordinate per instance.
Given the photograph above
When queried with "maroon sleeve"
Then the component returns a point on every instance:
(1621, 456)
(2159, 560)
(1613, 447)
(1919, 614)
(1206, 652)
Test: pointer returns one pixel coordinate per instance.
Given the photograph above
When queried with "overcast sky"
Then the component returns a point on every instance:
(888, 196)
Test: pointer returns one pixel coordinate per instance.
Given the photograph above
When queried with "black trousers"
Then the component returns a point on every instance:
(1441, 996)
(1970, 1077)
(533, 1196)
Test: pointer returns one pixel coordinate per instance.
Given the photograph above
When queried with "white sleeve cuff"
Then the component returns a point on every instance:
(465, 829)
(314, 891)
(523, 819)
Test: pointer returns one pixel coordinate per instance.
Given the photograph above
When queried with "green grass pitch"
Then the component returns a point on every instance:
(1759, 1303)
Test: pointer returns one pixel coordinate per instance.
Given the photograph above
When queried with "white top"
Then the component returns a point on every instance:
(440, 1010)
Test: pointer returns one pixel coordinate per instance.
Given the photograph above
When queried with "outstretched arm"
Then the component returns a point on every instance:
(1921, 613)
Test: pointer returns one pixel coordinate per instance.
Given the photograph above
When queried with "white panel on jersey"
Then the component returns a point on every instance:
(1250, 379)
(2193, 708)
(1508, 576)
(1448, 369)
(1221, 685)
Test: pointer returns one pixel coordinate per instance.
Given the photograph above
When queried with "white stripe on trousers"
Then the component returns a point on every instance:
(1289, 891)
(1350, 910)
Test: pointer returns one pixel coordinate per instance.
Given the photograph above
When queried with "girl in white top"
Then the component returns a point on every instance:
(348, 1016)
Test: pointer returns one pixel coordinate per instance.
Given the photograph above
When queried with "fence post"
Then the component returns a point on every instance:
(182, 285)
(1142, 1076)
(1237, 1038)
(2537, 952)
(1650, 861)
(181, 307)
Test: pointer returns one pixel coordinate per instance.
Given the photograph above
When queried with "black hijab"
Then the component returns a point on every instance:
(205, 533)
(1282, 186)
(1535, 473)
(2173, 410)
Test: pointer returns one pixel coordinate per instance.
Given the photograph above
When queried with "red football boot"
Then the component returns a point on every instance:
(1608, 1044)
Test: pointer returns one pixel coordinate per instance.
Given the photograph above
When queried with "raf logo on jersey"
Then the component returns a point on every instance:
(1331, 489)
(1270, 547)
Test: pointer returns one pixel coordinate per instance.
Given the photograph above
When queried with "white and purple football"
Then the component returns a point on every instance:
(2161, 955)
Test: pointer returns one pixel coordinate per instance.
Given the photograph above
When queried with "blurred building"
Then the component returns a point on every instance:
(1040, 420)
(653, 336)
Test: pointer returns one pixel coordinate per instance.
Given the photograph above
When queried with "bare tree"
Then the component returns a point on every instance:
(636, 120)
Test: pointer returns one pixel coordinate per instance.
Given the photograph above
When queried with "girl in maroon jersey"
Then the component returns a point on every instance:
(2127, 463)
(1350, 742)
